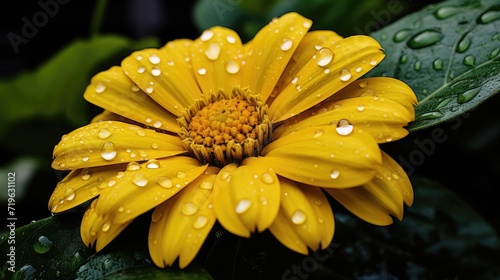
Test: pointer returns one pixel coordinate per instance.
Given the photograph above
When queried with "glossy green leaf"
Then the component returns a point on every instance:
(55, 89)
(51, 248)
(449, 53)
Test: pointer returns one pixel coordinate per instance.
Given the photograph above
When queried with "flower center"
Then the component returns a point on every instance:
(225, 128)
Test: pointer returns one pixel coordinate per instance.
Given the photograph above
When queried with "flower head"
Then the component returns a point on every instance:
(254, 136)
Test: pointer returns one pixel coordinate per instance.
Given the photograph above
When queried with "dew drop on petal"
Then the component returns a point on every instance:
(206, 35)
(133, 166)
(164, 182)
(344, 127)
(149, 89)
(373, 62)
(104, 133)
(298, 217)
(243, 205)
(232, 67)
(189, 209)
(153, 164)
(108, 151)
(318, 133)
(100, 87)
(200, 222)
(267, 178)
(140, 180)
(206, 185)
(154, 59)
(202, 71)
(85, 158)
(324, 56)
(361, 107)
(230, 39)
(105, 227)
(156, 71)
(86, 174)
(345, 75)
(363, 84)
(334, 174)
(181, 175)
(70, 196)
(213, 51)
(141, 132)
(306, 24)
(157, 124)
(286, 45)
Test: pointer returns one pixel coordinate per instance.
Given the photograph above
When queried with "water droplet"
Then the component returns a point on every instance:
(373, 62)
(344, 127)
(286, 45)
(154, 145)
(213, 51)
(306, 24)
(294, 81)
(489, 16)
(361, 107)
(358, 69)
(189, 209)
(324, 56)
(243, 205)
(206, 185)
(230, 39)
(437, 64)
(334, 174)
(100, 87)
(153, 164)
(104, 133)
(200, 222)
(403, 59)
(429, 116)
(345, 75)
(464, 44)
(105, 227)
(43, 245)
(157, 124)
(232, 67)
(202, 71)
(141, 132)
(111, 183)
(133, 166)
(298, 217)
(469, 60)
(164, 182)
(424, 39)
(363, 84)
(468, 95)
(154, 59)
(446, 12)
(155, 71)
(401, 35)
(181, 175)
(318, 133)
(85, 158)
(206, 35)
(140, 180)
(108, 151)
(395, 175)
(149, 89)
(494, 53)
(267, 178)
(138, 57)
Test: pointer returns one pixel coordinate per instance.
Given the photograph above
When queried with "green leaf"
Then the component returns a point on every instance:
(449, 53)
(51, 248)
(55, 89)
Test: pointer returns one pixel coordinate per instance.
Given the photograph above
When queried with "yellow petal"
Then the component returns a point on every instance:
(115, 92)
(270, 51)
(307, 48)
(80, 186)
(376, 200)
(217, 58)
(383, 119)
(106, 143)
(97, 229)
(180, 225)
(305, 218)
(143, 186)
(330, 70)
(321, 157)
(246, 197)
(167, 81)
(381, 87)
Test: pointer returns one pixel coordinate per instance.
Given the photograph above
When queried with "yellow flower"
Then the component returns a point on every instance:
(251, 135)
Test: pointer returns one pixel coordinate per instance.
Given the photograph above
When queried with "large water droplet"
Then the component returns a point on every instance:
(200, 222)
(207, 185)
(154, 59)
(86, 174)
(464, 44)
(104, 133)
(206, 35)
(286, 45)
(489, 16)
(133, 166)
(401, 35)
(100, 87)
(424, 39)
(243, 205)
(105, 227)
(140, 180)
(446, 12)
(324, 56)
(155, 71)
(189, 209)
(43, 245)
(318, 133)
(437, 64)
(153, 164)
(345, 75)
(467, 95)
(334, 174)
(164, 182)
(469, 60)
(298, 217)
(108, 151)
(494, 53)
(267, 178)
(213, 51)
(232, 67)
(344, 127)
(429, 116)
(202, 71)
(181, 175)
